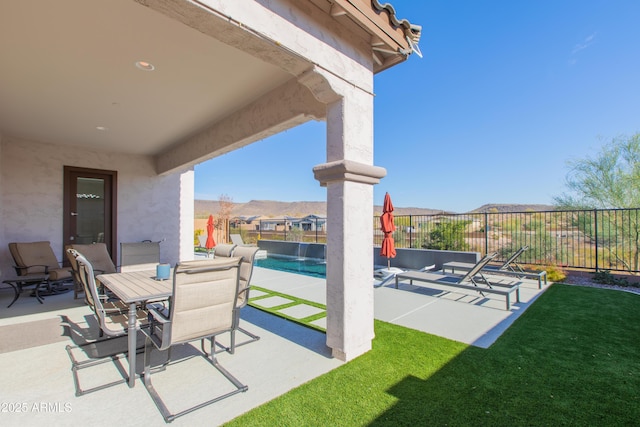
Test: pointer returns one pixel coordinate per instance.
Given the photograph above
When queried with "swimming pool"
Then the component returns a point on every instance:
(308, 266)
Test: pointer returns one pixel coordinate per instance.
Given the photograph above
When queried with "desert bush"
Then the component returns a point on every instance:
(196, 237)
(554, 273)
(606, 278)
(447, 235)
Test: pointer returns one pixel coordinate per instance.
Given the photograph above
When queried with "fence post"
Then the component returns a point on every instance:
(410, 231)
(486, 233)
(595, 224)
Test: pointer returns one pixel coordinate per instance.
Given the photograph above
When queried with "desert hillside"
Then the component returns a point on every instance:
(497, 207)
(275, 209)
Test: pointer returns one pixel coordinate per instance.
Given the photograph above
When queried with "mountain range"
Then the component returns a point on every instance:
(275, 209)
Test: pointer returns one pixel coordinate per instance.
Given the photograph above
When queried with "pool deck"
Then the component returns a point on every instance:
(447, 312)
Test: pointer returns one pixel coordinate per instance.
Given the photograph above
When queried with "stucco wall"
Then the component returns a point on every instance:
(31, 201)
(2, 239)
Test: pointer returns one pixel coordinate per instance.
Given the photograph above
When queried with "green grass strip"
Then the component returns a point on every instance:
(571, 359)
(295, 301)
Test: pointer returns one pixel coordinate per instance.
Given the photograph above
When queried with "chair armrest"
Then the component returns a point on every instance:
(245, 291)
(159, 327)
(21, 271)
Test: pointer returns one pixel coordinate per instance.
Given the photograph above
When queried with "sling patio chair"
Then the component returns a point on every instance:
(224, 250)
(113, 321)
(94, 256)
(203, 305)
(509, 268)
(97, 254)
(248, 255)
(34, 260)
(474, 280)
(137, 256)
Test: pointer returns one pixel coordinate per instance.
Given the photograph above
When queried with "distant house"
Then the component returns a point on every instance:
(244, 222)
(311, 222)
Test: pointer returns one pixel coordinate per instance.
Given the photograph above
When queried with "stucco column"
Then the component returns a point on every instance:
(349, 177)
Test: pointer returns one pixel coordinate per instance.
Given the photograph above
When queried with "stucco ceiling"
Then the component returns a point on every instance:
(67, 67)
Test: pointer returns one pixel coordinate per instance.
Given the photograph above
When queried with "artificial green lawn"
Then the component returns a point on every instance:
(307, 321)
(572, 358)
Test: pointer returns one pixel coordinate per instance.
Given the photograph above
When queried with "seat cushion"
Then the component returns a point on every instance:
(35, 257)
(56, 274)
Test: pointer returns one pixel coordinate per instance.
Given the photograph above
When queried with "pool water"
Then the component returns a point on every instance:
(306, 266)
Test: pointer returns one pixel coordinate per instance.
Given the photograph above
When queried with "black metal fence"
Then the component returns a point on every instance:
(598, 239)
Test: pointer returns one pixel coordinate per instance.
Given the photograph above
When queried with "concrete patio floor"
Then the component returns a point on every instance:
(37, 382)
(446, 312)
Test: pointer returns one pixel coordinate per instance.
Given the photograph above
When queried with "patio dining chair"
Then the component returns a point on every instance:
(248, 255)
(99, 257)
(138, 256)
(202, 306)
(112, 318)
(224, 250)
(94, 257)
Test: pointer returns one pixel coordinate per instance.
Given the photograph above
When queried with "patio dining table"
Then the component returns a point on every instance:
(133, 288)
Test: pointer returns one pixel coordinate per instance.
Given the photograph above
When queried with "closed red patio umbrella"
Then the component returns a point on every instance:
(210, 242)
(388, 227)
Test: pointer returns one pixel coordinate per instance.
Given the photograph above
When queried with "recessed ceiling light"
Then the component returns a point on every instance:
(144, 65)
(102, 128)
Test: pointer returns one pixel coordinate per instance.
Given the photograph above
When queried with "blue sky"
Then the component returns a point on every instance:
(506, 93)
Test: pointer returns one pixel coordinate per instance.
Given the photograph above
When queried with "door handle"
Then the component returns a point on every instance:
(74, 213)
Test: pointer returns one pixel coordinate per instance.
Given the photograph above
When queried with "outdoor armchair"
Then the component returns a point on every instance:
(202, 306)
(35, 259)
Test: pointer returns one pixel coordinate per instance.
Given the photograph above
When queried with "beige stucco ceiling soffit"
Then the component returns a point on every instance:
(198, 15)
(283, 108)
(348, 170)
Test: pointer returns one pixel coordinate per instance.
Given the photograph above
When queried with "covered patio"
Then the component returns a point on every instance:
(140, 91)
(38, 370)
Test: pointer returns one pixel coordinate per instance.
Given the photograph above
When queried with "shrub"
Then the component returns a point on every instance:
(196, 237)
(447, 235)
(606, 278)
(554, 273)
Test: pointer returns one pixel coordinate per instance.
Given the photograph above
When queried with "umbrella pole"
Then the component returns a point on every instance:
(388, 263)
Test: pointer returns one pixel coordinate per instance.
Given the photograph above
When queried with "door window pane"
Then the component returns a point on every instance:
(90, 210)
